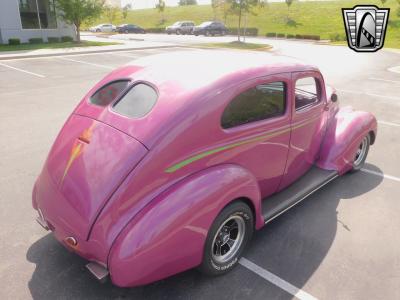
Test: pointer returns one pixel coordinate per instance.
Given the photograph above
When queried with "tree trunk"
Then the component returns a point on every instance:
(240, 19)
(78, 33)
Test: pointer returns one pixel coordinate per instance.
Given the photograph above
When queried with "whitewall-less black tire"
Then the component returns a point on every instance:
(227, 238)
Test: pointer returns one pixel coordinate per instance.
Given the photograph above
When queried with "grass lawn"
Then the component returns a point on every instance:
(236, 45)
(53, 45)
(323, 18)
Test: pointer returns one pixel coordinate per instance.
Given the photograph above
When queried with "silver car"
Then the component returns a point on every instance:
(180, 27)
(103, 28)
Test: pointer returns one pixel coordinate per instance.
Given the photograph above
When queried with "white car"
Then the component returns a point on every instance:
(103, 28)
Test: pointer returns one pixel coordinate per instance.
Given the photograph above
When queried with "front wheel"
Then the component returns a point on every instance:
(227, 238)
(361, 153)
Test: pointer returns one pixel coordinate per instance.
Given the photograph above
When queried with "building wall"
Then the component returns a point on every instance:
(11, 27)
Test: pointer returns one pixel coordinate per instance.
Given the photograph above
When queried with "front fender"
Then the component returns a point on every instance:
(343, 136)
(169, 234)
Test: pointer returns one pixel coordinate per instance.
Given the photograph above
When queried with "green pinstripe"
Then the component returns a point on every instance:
(199, 156)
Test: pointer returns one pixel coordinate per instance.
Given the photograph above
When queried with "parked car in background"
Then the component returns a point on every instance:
(103, 28)
(130, 28)
(143, 191)
(210, 28)
(180, 27)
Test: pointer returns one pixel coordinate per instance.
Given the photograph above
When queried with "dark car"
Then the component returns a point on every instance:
(210, 28)
(180, 27)
(130, 28)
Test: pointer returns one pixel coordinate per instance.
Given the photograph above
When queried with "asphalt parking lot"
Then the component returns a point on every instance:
(343, 242)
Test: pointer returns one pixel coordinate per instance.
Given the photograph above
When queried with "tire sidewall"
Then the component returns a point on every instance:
(359, 167)
(211, 267)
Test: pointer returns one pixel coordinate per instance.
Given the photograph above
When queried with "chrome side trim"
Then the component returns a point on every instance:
(301, 199)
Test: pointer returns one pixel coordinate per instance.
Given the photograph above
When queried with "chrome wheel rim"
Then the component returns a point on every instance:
(360, 154)
(228, 239)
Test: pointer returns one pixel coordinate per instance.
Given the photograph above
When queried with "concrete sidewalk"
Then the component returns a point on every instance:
(126, 45)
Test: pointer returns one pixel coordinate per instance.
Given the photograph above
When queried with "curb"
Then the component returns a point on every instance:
(22, 56)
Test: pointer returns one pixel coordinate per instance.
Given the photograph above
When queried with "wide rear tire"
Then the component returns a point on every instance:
(227, 238)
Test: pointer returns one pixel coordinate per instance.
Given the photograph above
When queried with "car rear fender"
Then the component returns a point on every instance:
(344, 134)
(169, 234)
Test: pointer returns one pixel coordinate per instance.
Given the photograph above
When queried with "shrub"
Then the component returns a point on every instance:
(53, 39)
(66, 38)
(299, 36)
(336, 37)
(35, 41)
(251, 31)
(315, 37)
(290, 36)
(155, 30)
(14, 41)
(271, 34)
(280, 35)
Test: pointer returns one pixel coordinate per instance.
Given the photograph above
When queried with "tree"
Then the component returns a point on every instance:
(125, 10)
(240, 7)
(214, 5)
(78, 11)
(383, 2)
(187, 2)
(111, 13)
(160, 6)
(289, 3)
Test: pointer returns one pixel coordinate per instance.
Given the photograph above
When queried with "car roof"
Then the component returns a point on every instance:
(200, 68)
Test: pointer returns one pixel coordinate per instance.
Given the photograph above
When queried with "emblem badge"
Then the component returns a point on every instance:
(365, 27)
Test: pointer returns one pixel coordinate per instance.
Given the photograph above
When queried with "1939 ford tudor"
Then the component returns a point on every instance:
(171, 162)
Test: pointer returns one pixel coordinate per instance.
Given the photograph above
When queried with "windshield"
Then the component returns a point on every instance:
(204, 24)
(176, 24)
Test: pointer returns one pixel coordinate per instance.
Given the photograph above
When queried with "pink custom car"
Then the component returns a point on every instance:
(171, 162)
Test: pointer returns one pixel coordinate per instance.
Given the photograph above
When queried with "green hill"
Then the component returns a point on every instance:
(322, 18)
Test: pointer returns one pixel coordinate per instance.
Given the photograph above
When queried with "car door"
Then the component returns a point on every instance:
(308, 124)
(256, 117)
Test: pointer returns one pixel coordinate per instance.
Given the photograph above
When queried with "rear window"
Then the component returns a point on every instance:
(137, 102)
(108, 93)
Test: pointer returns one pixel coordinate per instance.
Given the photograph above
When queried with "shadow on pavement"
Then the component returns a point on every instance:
(292, 247)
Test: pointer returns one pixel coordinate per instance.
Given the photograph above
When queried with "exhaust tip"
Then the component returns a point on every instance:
(98, 271)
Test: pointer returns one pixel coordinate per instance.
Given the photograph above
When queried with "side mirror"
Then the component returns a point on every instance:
(334, 97)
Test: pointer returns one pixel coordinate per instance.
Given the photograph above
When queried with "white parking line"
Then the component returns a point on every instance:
(389, 123)
(279, 282)
(386, 80)
(87, 63)
(369, 94)
(381, 175)
(394, 69)
(125, 55)
(24, 71)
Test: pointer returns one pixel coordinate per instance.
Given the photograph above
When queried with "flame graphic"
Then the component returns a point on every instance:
(77, 148)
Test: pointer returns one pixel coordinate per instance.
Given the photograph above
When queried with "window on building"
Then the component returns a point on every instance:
(47, 13)
(37, 14)
(259, 103)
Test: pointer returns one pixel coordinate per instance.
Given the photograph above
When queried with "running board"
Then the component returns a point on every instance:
(309, 183)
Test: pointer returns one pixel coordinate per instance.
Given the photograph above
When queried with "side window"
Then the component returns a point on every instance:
(259, 103)
(306, 92)
(108, 93)
(137, 102)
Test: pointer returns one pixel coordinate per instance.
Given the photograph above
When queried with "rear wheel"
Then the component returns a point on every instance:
(227, 238)
(361, 153)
